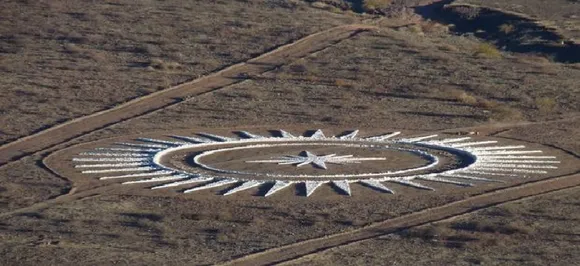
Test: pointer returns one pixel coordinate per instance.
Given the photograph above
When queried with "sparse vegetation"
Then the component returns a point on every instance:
(545, 104)
(371, 5)
(467, 12)
(505, 113)
(487, 50)
(506, 28)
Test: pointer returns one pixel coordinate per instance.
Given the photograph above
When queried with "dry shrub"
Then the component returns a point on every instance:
(342, 83)
(533, 59)
(486, 104)
(72, 48)
(460, 96)
(448, 48)
(370, 5)
(162, 65)
(545, 104)
(505, 113)
(434, 27)
(467, 12)
(487, 50)
(506, 28)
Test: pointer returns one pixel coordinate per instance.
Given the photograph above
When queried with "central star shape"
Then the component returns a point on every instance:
(319, 161)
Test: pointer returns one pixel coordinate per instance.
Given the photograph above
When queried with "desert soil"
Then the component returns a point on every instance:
(388, 78)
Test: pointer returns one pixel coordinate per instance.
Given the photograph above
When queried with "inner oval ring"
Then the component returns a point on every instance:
(434, 160)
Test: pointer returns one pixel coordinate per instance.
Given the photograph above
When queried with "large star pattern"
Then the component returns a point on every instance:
(319, 161)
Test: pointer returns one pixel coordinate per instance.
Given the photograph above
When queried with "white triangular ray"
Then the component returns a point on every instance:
(417, 139)
(112, 170)
(471, 178)
(411, 184)
(504, 152)
(510, 170)
(484, 173)
(311, 186)
(244, 186)
(160, 146)
(444, 180)
(160, 141)
(140, 159)
(158, 179)
(519, 161)
(383, 137)
(192, 140)
(451, 140)
(164, 172)
(285, 134)
(350, 135)
(212, 185)
(114, 154)
(515, 157)
(503, 165)
(111, 165)
(377, 185)
(216, 137)
(320, 164)
(343, 185)
(129, 149)
(498, 148)
(278, 185)
(250, 135)
(476, 143)
(318, 134)
(195, 179)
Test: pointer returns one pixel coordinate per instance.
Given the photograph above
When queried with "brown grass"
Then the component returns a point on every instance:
(545, 104)
(506, 28)
(487, 50)
(370, 5)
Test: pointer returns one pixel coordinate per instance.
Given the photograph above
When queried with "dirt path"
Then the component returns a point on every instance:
(301, 249)
(158, 100)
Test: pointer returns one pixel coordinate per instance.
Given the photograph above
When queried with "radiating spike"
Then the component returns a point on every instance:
(452, 140)
(160, 146)
(250, 135)
(160, 141)
(311, 186)
(498, 148)
(471, 178)
(285, 134)
(113, 154)
(111, 165)
(377, 185)
(519, 161)
(476, 143)
(163, 172)
(244, 186)
(350, 135)
(443, 180)
(194, 179)
(192, 140)
(212, 185)
(417, 139)
(484, 173)
(318, 134)
(383, 137)
(343, 185)
(129, 149)
(216, 137)
(504, 152)
(411, 184)
(278, 185)
(510, 170)
(158, 179)
(514, 157)
(112, 170)
(117, 159)
(503, 165)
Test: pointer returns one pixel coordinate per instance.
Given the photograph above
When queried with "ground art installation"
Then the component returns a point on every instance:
(457, 161)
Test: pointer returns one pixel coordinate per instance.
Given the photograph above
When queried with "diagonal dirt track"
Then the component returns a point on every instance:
(158, 100)
(300, 249)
